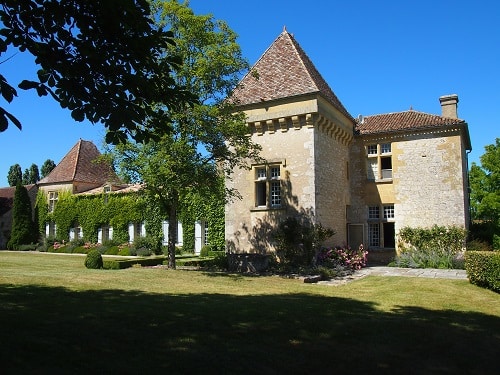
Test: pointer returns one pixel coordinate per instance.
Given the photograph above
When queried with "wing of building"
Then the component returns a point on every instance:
(364, 177)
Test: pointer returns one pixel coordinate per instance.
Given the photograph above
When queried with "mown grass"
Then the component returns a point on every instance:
(59, 317)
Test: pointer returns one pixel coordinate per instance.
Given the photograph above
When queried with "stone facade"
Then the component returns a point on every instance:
(364, 178)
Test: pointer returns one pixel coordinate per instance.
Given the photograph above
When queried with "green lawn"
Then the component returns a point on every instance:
(57, 317)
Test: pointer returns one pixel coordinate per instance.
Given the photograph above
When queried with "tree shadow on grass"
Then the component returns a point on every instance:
(60, 331)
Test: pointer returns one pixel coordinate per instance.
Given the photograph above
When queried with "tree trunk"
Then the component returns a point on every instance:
(172, 230)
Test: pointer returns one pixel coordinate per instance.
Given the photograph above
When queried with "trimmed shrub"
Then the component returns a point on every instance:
(93, 260)
(124, 251)
(143, 252)
(204, 251)
(483, 269)
(150, 243)
(119, 264)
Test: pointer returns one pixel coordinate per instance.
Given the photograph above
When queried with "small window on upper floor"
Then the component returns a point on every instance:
(372, 149)
(379, 161)
(268, 186)
(385, 148)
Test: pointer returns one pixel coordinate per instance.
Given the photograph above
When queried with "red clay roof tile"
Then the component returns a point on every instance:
(81, 164)
(400, 121)
(284, 70)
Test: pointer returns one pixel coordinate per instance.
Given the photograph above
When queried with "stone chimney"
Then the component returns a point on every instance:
(449, 105)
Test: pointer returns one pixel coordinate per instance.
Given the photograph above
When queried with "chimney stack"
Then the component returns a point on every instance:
(449, 105)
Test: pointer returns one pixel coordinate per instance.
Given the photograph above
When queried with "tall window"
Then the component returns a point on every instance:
(268, 186)
(137, 230)
(379, 161)
(381, 230)
(106, 233)
(53, 196)
(205, 232)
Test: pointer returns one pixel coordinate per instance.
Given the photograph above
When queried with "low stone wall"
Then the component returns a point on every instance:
(253, 263)
(380, 257)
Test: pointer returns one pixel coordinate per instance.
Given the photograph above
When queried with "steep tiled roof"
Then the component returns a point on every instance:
(284, 70)
(400, 121)
(81, 164)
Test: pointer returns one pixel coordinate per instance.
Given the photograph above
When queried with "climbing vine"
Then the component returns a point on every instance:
(208, 207)
(91, 212)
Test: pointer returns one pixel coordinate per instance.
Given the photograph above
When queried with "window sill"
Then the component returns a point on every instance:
(382, 181)
(265, 208)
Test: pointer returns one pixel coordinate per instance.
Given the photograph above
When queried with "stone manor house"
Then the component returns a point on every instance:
(365, 177)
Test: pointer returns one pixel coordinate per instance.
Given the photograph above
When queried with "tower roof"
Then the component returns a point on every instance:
(81, 164)
(284, 70)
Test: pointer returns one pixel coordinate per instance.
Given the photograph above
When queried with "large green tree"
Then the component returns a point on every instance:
(208, 139)
(31, 175)
(47, 167)
(485, 192)
(485, 184)
(15, 175)
(24, 231)
(105, 61)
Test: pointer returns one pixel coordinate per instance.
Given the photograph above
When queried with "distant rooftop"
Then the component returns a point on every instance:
(81, 164)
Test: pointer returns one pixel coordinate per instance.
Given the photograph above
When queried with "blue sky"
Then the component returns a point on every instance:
(377, 56)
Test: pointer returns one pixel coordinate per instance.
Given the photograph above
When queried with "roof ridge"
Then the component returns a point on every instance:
(414, 111)
(77, 159)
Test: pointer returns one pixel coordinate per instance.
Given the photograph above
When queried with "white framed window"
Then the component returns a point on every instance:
(53, 197)
(389, 211)
(381, 226)
(379, 161)
(268, 186)
(385, 148)
(372, 149)
(205, 230)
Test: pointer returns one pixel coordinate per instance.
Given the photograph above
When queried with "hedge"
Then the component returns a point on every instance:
(483, 269)
(120, 264)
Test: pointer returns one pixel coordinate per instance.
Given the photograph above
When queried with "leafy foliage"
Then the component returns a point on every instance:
(485, 193)
(23, 228)
(91, 212)
(483, 269)
(298, 241)
(345, 257)
(47, 167)
(207, 140)
(99, 59)
(15, 175)
(436, 247)
(93, 260)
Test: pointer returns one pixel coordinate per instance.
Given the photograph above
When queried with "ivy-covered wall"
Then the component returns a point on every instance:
(91, 212)
(208, 208)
